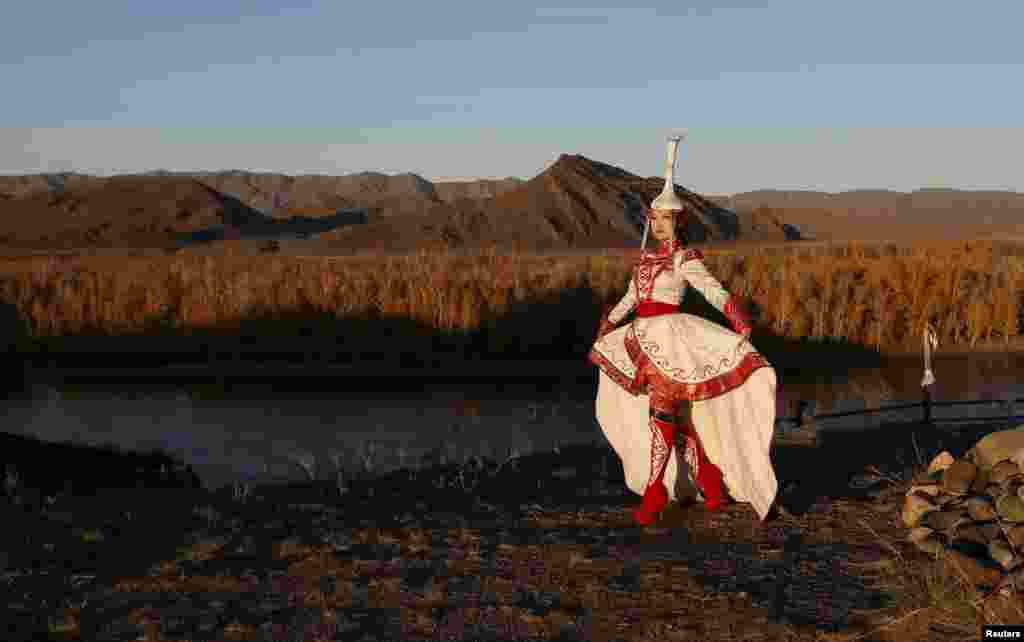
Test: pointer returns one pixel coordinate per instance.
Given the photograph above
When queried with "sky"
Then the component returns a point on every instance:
(823, 95)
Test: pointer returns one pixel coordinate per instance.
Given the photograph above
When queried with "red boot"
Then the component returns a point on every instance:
(655, 494)
(707, 475)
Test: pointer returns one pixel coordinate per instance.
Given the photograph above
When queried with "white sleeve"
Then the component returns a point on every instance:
(627, 303)
(696, 273)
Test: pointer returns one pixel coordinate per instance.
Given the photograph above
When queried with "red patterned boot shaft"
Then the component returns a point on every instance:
(655, 494)
(707, 475)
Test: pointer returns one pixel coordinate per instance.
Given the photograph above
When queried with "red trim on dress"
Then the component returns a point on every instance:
(654, 308)
(713, 387)
(648, 375)
(653, 263)
(613, 373)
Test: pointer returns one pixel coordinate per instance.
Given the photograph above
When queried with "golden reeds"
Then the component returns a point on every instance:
(872, 295)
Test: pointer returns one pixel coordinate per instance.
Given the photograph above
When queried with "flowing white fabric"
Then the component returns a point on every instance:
(735, 429)
(735, 423)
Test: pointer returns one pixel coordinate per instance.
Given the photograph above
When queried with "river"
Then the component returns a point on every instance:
(256, 433)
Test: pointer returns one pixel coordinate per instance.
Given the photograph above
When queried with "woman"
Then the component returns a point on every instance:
(667, 371)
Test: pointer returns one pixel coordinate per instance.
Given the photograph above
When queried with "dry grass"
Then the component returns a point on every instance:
(874, 295)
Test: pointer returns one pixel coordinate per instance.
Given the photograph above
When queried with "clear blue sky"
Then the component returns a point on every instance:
(827, 95)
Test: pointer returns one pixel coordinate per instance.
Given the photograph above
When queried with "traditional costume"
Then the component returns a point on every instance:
(667, 371)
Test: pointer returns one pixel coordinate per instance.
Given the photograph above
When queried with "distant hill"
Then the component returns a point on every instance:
(883, 214)
(578, 202)
(574, 203)
(120, 211)
(474, 190)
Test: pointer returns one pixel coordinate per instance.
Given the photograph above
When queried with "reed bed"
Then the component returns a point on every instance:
(877, 295)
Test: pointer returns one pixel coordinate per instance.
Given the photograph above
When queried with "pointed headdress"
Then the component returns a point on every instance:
(667, 200)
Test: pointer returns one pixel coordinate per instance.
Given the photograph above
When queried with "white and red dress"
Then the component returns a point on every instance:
(666, 354)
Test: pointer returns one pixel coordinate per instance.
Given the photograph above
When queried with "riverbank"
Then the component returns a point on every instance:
(1012, 346)
(541, 547)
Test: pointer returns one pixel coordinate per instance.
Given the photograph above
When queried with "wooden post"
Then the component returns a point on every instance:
(806, 423)
(926, 404)
(930, 342)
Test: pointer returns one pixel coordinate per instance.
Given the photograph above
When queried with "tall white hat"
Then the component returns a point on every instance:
(668, 200)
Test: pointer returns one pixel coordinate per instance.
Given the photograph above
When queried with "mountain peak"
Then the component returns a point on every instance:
(581, 165)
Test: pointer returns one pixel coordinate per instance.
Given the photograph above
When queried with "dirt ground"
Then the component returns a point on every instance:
(543, 549)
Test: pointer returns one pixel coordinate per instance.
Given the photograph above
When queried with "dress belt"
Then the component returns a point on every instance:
(654, 308)
(665, 417)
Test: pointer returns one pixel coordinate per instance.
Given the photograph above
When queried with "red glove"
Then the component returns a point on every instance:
(605, 326)
(738, 317)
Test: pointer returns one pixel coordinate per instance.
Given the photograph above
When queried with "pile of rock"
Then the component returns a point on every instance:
(971, 510)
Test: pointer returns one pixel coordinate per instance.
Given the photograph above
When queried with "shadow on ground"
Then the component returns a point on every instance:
(91, 513)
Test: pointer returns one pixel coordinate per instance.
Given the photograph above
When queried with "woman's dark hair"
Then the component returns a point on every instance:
(679, 226)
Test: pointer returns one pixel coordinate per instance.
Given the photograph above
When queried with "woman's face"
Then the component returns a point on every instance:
(662, 224)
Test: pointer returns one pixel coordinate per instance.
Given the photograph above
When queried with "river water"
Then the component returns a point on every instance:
(259, 436)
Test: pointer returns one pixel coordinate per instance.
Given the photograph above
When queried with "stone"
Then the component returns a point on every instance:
(981, 481)
(958, 477)
(927, 479)
(997, 491)
(980, 509)
(1003, 471)
(991, 530)
(971, 533)
(1016, 536)
(919, 533)
(949, 501)
(941, 462)
(970, 570)
(931, 490)
(915, 507)
(978, 534)
(1011, 508)
(1001, 552)
(998, 446)
(1015, 578)
(943, 520)
(931, 544)
(971, 549)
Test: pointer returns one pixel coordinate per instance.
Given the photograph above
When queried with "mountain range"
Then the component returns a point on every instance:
(575, 203)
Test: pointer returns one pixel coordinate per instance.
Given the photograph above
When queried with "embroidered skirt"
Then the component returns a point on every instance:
(731, 385)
